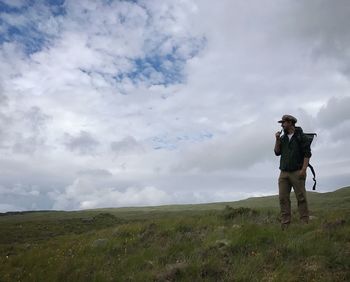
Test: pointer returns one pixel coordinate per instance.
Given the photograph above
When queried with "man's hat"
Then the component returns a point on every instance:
(288, 118)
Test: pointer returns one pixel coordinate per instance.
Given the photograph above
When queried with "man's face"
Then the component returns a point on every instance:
(286, 125)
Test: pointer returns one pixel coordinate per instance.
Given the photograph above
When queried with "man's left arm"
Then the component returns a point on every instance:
(304, 168)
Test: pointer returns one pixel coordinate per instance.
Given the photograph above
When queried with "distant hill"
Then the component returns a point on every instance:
(339, 198)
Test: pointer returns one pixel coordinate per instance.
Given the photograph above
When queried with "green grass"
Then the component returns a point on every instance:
(237, 241)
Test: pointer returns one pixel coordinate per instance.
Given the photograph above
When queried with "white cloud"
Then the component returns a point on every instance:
(239, 150)
(7, 208)
(84, 143)
(126, 146)
(82, 194)
(335, 112)
(15, 3)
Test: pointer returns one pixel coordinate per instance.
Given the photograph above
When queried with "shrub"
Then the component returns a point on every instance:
(231, 213)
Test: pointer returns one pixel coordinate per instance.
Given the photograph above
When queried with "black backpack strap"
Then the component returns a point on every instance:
(314, 174)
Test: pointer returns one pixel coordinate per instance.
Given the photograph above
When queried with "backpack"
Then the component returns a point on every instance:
(309, 138)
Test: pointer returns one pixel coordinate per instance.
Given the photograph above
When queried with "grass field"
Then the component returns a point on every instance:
(235, 241)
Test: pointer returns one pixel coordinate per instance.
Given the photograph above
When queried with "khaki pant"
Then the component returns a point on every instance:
(286, 181)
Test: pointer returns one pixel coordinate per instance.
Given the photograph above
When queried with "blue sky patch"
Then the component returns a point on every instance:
(158, 69)
(164, 69)
(4, 8)
(31, 40)
(28, 34)
(57, 7)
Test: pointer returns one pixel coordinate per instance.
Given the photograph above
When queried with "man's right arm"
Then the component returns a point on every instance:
(278, 144)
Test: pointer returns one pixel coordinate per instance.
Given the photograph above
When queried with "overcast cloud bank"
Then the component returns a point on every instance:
(129, 103)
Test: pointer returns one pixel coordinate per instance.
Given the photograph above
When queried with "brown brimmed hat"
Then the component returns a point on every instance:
(288, 118)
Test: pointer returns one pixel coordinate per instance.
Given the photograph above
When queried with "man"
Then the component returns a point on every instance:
(295, 153)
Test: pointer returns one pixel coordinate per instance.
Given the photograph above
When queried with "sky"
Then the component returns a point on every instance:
(153, 102)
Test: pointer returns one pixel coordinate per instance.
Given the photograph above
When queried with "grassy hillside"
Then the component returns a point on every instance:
(237, 241)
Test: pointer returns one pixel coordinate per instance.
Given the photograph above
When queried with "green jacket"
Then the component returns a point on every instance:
(294, 151)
